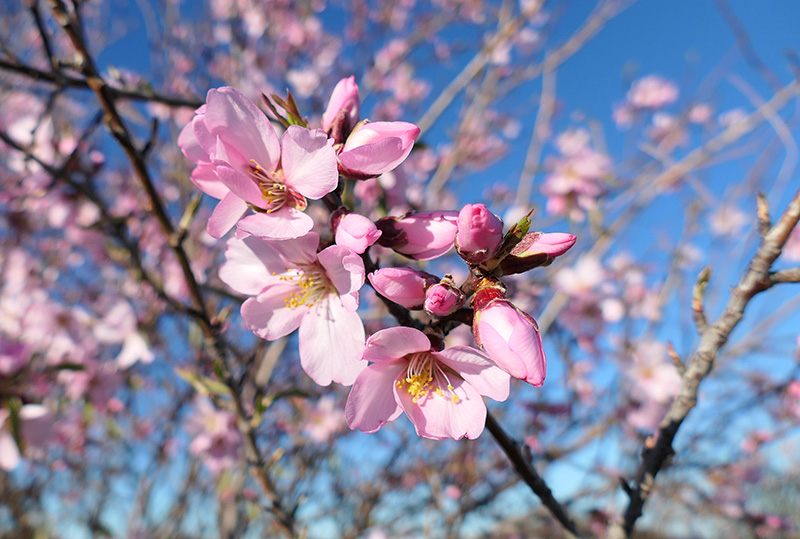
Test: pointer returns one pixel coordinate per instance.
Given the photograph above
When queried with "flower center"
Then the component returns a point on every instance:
(312, 282)
(274, 189)
(424, 375)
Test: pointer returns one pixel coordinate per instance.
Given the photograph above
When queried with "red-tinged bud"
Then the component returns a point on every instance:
(508, 335)
(443, 298)
(480, 233)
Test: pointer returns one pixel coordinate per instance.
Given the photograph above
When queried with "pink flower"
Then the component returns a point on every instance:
(323, 420)
(36, 429)
(294, 287)
(404, 286)
(344, 107)
(421, 236)
(652, 92)
(443, 298)
(440, 392)
(356, 232)
(375, 148)
(216, 440)
(510, 336)
(479, 233)
(240, 161)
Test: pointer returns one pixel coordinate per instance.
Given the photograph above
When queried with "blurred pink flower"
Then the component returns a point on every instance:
(294, 287)
(440, 392)
(216, 440)
(652, 92)
(323, 420)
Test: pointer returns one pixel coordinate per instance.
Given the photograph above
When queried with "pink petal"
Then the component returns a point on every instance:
(438, 417)
(268, 316)
(190, 146)
(374, 158)
(478, 370)
(309, 162)
(9, 452)
(233, 117)
(229, 210)
(343, 267)
(37, 424)
(331, 342)
(204, 138)
(249, 265)
(357, 232)
(206, 179)
(394, 343)
(404, 286)
(284, 224)
(371, 403)
(297, 251)
(239, 183)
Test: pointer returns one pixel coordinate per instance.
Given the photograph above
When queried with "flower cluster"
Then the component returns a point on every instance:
(302, 267)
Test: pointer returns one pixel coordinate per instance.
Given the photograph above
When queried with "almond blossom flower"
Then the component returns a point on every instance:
(404, 286)
(240, 161)
(440, 392)
(294, 287)
(652, 92)
(356, 232)
(375, 148)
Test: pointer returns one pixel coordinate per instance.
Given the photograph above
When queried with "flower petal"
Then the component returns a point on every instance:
(205, 178)
(438, 417)
(284, 224)
(249, 265)
(343, 267)
(331, 342)
(244, 187)
(233, 117)
(478, 370)
(309, 162)
(396, 342)
(371, 403)
(229, 210)
(268, 316)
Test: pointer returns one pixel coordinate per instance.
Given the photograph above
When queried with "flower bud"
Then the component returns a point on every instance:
(443, 298)
(343, 110)
(479, 234)
(404, 286)
(508, 335)
(375, 148)
(536, 249)
(356, 232)
(421, 236)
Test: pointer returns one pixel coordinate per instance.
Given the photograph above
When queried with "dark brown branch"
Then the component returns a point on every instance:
(529, 474)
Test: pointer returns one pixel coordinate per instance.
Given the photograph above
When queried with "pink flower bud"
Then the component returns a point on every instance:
(510, 337)
(403, 286)
(479, 233)
(356, 232)
(536, 249)
(344, 106)
(421, 236)
(443, 298)
(375, 148)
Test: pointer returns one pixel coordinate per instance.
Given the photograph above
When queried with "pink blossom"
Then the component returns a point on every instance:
(440, 392)
(404, 286)
(294, 287)
(510, 336)
(240, 161)
(356, 232)
(13, 356)
(421, 236)
(479, 233)
(652, 92)
(728, 220)
(700, 113)
(36, 430)
(652, 374)
(344, 106)
(216, 440)
(119, 326)
(443, 298)
(323, 420)
(375, 148)
(791, 250)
